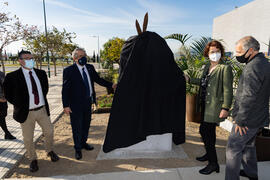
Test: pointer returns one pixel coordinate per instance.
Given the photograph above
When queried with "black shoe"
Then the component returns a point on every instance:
(9, 136)
(78, 155)
(53, 156)
(202, 158)
(209, 169)
(34, 166)
(243, 174)
(88, 147)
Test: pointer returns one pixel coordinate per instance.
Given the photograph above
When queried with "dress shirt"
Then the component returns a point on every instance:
(32, 104)
(88, 76)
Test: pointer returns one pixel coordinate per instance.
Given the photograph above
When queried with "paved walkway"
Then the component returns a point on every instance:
(12, 151)
(162, 174)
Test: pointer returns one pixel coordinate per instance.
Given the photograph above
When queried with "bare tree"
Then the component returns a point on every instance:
(11, 30)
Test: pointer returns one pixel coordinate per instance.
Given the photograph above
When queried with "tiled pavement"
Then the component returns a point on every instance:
(12, 151)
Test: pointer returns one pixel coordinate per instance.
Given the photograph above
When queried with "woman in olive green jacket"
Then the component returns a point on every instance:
(214, 100)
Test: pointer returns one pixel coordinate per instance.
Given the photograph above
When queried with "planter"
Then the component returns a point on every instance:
(191, 114)
(263, 145)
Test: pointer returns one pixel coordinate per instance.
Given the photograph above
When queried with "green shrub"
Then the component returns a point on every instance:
(104, 101)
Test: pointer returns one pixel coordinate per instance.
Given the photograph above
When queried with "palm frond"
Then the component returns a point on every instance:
(198, 46)
(183, 38)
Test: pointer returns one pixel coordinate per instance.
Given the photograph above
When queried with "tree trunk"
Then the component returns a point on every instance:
(40, 65)
(2, 61)
(37, 64)
(54, 64)
(40, 60)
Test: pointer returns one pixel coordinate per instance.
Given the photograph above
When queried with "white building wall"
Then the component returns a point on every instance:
(251, 19)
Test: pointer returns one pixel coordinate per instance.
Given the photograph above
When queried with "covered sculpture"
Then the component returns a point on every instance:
(150, 96)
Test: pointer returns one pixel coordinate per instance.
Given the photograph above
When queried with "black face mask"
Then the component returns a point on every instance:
(82, 61)
(243, 59)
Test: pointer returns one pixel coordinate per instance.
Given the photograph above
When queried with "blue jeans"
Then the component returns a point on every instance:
(241, 149)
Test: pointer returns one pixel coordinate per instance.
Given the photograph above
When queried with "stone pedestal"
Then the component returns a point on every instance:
(154, 147)
(153, 143)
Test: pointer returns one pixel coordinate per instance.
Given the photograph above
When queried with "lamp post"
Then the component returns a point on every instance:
(46, 35)
(98, 59)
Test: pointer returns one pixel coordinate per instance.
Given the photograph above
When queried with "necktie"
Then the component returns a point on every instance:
(34, 88)
(86, 83)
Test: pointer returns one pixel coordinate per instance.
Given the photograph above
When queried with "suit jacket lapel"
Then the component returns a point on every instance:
(22, 80)
(77, 71)
(90, 72)
(215, 70)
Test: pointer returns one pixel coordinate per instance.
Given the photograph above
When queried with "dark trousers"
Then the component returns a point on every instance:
(3, 114)
(80, 123)
(208, 133)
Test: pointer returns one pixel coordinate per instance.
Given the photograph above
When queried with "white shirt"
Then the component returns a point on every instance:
(88, 77)
(32, 104)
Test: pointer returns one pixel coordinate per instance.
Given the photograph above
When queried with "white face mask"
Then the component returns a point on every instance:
(215, 57)
(29, 63)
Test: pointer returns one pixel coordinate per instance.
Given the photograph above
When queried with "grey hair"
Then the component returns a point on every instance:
(74, 53)
(249, 42)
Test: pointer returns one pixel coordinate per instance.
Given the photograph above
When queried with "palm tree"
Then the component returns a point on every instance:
(191, 59)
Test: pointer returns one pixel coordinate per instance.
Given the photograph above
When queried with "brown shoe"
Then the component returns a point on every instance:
(53, 156)
(34, 166)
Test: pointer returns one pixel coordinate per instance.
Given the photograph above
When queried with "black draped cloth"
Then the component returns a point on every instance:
(150, 98)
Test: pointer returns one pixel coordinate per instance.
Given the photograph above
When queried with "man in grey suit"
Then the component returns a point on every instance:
(250, 112)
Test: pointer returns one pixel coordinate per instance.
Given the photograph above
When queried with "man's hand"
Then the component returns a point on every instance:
(114, 86)
(241, 130)
(67, 110)
(3, 100)
(223, 114)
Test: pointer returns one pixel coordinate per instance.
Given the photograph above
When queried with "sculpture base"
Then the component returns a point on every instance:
(152, 143)
(154, 147)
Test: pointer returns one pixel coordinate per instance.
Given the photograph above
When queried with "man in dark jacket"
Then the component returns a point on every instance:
(250, 111)
(3, 109)
(27, 88)
(78, 94)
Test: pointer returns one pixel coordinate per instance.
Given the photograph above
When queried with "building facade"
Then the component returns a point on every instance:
(251, 19)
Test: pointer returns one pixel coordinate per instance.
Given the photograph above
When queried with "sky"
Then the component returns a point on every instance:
(116, 18)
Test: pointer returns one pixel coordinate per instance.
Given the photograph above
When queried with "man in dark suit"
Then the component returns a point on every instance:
(27, 88)
(78, 94)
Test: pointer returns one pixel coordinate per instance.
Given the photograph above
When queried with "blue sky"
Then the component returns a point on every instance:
(116, 18)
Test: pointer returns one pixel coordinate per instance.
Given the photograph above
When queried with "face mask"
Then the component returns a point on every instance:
(29, 63)
(82, 61)
(215, 57)
(243, 59)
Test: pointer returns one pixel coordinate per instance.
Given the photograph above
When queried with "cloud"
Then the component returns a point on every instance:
(92, 17)
(159, 13)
